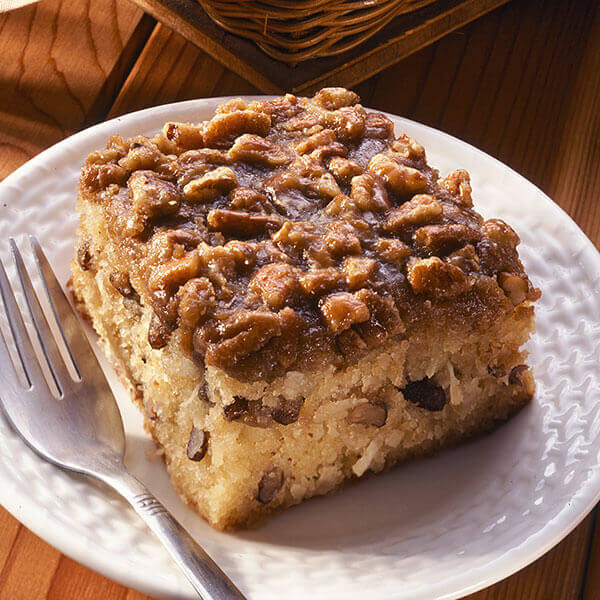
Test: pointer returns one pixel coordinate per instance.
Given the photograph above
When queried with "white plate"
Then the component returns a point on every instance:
(435, 528)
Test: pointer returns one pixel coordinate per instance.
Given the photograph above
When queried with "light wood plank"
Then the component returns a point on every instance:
(9, 528)
(28, 572)
(557, 575)
(183, 72)
(55, 62)
(592, 584)
(73, 580)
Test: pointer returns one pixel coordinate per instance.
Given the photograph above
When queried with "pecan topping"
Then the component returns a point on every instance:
(289, 231)
(343, 169)
(196, 301)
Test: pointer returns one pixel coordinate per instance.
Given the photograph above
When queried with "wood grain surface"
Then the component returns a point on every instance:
(522, 83)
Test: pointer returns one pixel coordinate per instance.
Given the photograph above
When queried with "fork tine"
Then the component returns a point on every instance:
(27, 356)
(68, 324)
(59, 371)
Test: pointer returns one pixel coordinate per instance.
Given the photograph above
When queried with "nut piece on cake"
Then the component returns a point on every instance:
(296, 298)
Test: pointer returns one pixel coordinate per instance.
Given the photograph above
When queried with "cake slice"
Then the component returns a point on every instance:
(296, 298)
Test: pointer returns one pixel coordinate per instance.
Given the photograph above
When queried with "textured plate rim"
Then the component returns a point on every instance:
(570, 516)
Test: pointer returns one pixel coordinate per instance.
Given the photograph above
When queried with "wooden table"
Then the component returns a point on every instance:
(522, 83)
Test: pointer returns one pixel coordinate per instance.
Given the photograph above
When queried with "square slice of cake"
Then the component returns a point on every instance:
(295, 298)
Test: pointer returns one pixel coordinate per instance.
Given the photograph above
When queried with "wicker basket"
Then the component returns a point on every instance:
(296, 30)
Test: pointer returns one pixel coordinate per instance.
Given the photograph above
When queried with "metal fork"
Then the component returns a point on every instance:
(81, 429)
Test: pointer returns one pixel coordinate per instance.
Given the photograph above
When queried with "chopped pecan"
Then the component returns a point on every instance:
(392, 250)
(299, 234)
(184, 135)
(244, 333)
(84, 256)
(269, 485)
(465, 258)
(442, 239)
(521, 375)
(368, 413)
(406, 147)
(341, 205)
(232, 105)
(402, 180)
(211, 185)
(224, 128)
(196, 301)
(422, 209)
(245, 198)
(384, 319)
(276, 284)
(378, 126)
(341, 239)
(514, 286)
(249, 412)
(342, 309)
(458, 183)
(97, 176)
(358, 271)
(343, 169)
(238, 222)
(255, 149)
(426, 394)
(436, 278)
(158, 333)
(369, 193)
(197, 444)
(287, 411)
(174, 273)
(120, 281)
(151, 197)
(324, 137)
(321, 281)
(499, 231)
(142, 155)
(332, 98)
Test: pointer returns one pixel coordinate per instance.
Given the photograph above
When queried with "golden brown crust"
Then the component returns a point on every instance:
(273, 229)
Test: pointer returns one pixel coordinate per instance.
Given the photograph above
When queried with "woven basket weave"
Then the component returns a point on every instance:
(296, 30)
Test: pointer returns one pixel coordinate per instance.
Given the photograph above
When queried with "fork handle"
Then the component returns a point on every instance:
(200, 569)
